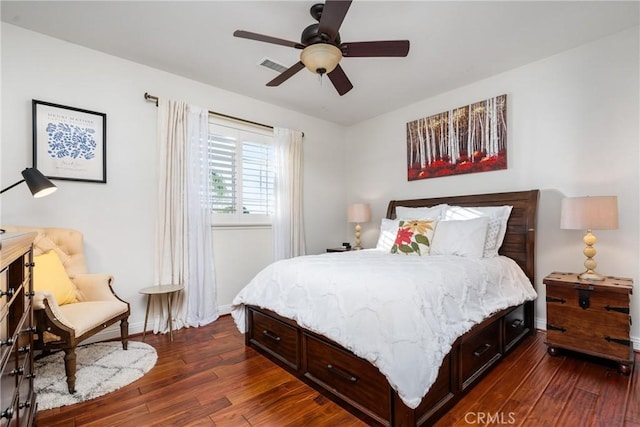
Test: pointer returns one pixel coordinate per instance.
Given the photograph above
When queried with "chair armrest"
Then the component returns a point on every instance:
(94, 287)
(39, 304)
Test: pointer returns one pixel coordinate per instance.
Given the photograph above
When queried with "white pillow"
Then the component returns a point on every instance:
(434, 212)
(388, 232)
(462, 238)
(497, 226)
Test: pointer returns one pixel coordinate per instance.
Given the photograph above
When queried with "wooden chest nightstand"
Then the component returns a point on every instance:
(590, 317)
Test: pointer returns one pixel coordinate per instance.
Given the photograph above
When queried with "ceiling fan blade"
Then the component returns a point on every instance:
(285, 75)
(340, 80)
(333, 14)
(379, 48)
(267, 39)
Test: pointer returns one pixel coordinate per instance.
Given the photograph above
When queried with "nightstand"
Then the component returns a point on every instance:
(590, 317)
(340, 249)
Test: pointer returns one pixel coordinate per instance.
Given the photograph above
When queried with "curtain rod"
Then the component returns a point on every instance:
(153, 98)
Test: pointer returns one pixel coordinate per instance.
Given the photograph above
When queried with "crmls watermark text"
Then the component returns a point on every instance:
(489, 418)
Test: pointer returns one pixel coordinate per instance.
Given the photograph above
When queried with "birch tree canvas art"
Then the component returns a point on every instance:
(468, 139)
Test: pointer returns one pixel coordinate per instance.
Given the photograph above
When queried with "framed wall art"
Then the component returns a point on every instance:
(69, 143)
(467, 139)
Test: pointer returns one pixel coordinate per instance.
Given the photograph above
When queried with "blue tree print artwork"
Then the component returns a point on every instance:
(70, 141)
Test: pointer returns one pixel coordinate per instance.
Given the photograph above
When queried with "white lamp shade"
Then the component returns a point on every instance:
(359, 212)
(589, 213)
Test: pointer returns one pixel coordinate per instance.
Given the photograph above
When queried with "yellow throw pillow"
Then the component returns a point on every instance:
(49, 275)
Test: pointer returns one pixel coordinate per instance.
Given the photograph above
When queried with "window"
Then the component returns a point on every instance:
(242, 172)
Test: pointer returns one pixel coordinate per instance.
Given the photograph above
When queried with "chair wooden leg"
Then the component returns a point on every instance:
(70, 368)
(124, 332)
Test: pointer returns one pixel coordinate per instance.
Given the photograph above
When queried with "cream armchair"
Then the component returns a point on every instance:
(63, 327)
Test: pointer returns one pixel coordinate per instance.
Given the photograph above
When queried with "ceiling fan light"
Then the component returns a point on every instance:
(321, 57)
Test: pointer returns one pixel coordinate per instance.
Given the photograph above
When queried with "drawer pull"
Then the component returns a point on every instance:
(624, 310)
(9, 292)
(271, 335)
(8, 341)
(18, 371)
(618, 341)
(556, 299)
(24, 405)
(482, 350)
(29, 264)
(516, 323)
(341, 374)
(7, 413)
(25, 349)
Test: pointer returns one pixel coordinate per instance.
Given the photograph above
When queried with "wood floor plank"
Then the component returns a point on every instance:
(525, 397)
(610, 408)
(207, 377)
(493, 381)
(580, 410)
(632, 414)
(553, 400)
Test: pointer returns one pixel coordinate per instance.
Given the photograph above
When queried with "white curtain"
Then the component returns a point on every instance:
(288, 223)
(184, 253)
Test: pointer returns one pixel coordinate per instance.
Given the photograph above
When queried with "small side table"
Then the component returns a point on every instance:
(168, 291)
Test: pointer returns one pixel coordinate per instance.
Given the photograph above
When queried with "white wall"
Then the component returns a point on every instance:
(118, 218)
(573, 130)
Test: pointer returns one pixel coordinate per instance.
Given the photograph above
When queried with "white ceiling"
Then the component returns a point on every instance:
(453, 43)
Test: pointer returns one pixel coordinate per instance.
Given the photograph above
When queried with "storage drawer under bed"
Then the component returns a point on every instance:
(515, 326)
(478, 352)
(275, 337)
(353, 379)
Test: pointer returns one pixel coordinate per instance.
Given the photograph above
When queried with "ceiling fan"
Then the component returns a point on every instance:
(322, 49)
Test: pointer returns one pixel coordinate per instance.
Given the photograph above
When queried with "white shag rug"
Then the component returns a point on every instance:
(101, 369)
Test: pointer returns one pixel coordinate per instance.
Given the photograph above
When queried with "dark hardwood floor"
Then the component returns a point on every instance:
(207, 377)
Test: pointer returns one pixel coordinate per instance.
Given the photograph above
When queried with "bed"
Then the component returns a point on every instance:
(363, 369)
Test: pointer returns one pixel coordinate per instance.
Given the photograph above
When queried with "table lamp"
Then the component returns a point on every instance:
(358, 212)
(589, 213)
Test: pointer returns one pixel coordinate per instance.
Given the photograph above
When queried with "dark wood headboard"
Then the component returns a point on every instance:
(519, 241)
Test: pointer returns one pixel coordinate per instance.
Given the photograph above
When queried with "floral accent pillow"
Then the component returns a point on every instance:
(414, 237)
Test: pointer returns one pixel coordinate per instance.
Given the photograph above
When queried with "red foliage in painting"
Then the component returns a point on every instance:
(440, 167)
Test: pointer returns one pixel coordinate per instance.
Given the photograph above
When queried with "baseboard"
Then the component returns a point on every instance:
(224, 309)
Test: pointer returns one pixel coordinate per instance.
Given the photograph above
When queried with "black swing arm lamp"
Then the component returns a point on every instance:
(38, 184)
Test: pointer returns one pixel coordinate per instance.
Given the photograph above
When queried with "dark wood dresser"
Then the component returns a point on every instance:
(17, 396)
(590, 317)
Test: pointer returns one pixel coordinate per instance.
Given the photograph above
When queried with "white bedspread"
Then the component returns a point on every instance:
(401, 313)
